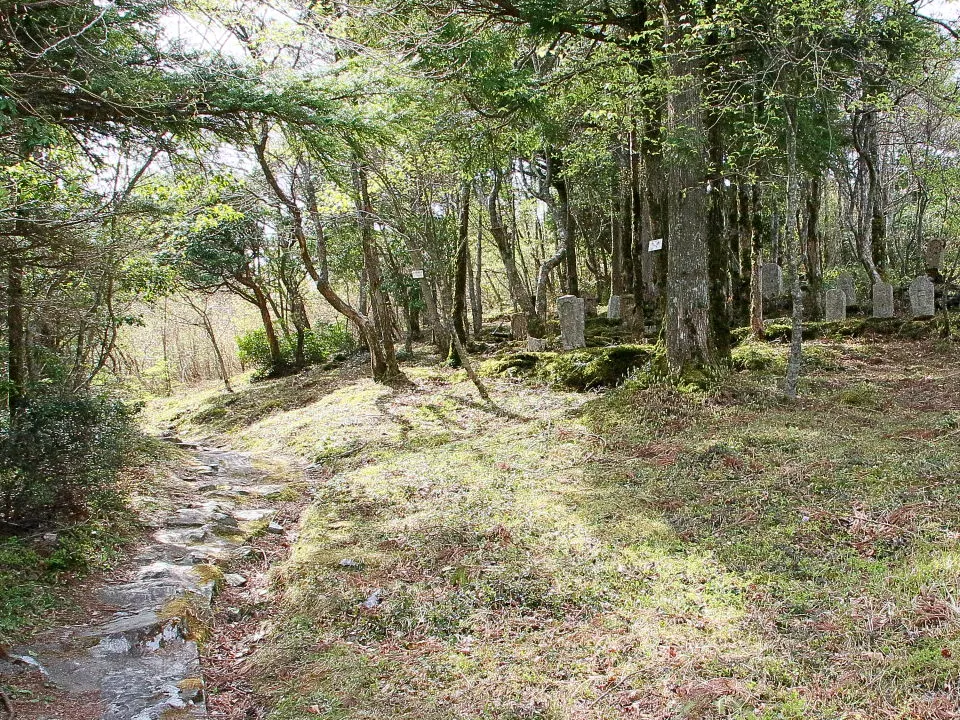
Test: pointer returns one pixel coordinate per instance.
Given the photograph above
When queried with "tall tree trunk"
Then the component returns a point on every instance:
(719, 248)
(379, 303)
(745, 232)
(16, 341)
(620, 246)
(793, 255)
(463, 260)
(756, 265)
(476, 295)
(871, 224)
(505, 246)
(263, 305)
(565, 226)
(813, 251)
(688, 331)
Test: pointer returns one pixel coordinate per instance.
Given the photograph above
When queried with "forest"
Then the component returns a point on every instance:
(515, 359)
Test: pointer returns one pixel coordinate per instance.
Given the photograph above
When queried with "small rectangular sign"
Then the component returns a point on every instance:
(416, 274)
(656, 244)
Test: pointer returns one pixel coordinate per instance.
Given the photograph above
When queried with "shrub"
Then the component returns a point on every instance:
(319, 345)
(61, 455)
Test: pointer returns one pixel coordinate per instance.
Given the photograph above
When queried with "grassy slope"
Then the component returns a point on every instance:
(643, 553)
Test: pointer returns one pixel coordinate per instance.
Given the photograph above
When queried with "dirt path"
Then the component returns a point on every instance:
(136, 658)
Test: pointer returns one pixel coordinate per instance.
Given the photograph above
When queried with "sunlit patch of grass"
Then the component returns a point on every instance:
(642, 553)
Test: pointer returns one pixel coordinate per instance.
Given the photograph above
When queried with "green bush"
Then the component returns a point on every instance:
(62, 455)
(319, 345)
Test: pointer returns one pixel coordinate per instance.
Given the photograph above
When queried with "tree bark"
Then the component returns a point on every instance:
(505, 246)
(16, 341)
(793, 255)
(688, 331)
(719, 248)
(565, 226)
(460, 272)
(756, 266)
(813, 251)
(379, 304)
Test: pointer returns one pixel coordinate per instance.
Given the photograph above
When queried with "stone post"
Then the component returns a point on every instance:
(836, 305)
(518, 326)
(771, 281)
(922, 298)
(883, 300)
(845, 283)
(613, 307)
(570, 308)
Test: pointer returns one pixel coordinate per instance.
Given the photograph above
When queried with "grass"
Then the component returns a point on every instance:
(644, 553)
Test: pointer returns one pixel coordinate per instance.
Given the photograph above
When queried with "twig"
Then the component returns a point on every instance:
(8, 706)
(613, 687)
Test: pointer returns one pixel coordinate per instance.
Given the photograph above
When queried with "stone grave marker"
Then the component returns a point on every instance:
(883, 300)
(922, 298)
(836, 305)
(846, 284)
(570, 309)
(771, 280)
(613, 307)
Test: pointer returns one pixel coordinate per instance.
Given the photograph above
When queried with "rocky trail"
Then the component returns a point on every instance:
(136, 657)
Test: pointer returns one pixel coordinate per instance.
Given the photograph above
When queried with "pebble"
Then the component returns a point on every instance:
(373, 599)
(235, 580)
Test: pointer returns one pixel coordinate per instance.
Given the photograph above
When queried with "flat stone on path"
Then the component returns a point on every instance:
(254, 515)
(265, 491)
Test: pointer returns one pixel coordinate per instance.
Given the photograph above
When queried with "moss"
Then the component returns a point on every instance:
(756, 356)
(209, 573)
(780, 329)
(514, 364)
(579, 369)
(192, 613)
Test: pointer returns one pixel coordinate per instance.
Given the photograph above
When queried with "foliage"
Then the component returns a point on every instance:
(60, 457)
(320, 344)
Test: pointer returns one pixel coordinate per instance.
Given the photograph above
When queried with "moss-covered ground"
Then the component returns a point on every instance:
(644, 552)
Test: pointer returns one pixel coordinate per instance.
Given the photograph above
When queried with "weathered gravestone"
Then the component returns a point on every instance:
(589, 306)
(570, 309)
(771, 280)
(922, 298)
(836, 305)
(845, 283)
(883, 300)
(518, 325)
(613, 307)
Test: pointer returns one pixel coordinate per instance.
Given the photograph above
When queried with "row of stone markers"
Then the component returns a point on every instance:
(922, 299)
(573, 310)
(844, 296)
